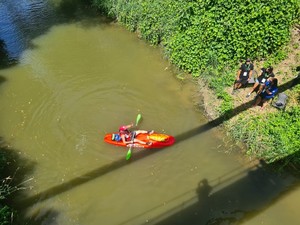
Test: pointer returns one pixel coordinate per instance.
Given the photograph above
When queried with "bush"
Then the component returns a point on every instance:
(271, 136)
(191, 29)
(5, 215)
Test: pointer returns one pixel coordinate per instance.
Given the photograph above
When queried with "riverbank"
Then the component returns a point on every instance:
(242, 127)
(284, 71)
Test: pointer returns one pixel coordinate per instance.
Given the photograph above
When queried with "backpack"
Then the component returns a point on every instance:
(280, 103)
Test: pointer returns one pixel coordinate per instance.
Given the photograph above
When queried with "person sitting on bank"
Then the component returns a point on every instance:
(128, 137)
(268, 92)
(261, 79)
(244, 74)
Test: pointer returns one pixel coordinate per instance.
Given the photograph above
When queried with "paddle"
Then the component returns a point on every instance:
(138, 118)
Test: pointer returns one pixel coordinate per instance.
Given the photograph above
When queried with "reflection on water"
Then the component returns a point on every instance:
(79, 77)
(20, 22)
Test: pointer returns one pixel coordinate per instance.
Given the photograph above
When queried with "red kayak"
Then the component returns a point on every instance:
(158, 140)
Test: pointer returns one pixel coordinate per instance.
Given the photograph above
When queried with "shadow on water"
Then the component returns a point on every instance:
(2, 79)
(5, 61)
(15, 173)
(237, 202)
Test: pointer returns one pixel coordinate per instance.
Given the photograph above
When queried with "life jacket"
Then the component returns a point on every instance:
(124, 131)
(116, 137)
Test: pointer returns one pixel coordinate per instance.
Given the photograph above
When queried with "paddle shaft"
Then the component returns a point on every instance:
(128, 155)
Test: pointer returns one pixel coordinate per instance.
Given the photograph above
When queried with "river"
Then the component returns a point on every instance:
(74, 76)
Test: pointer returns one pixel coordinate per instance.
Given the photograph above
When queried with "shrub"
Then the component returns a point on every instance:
(5, 215)
(270, 136)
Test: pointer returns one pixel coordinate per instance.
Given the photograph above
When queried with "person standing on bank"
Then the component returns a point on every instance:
(244, 74)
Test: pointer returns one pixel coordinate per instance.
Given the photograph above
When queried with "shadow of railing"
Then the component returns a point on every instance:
(219, 181)
(91, 175)
(235, 203)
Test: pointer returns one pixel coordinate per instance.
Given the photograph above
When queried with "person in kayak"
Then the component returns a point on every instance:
(128, 137)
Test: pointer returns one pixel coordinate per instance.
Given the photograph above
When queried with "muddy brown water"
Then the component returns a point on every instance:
(79, 76)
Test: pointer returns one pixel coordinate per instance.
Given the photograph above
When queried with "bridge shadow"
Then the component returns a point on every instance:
(236, 202)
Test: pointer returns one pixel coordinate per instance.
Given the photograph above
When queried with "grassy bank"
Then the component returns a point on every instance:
(6, 212)
(208, 39)
(13, 170)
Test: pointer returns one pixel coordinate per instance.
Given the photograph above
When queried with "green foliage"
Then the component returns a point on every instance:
(271, 136)
(191, 29)
(5, 190)
(217, 79)
(5, 215)
(296, 46)
(275, 59)
(227, 103)
(2, 160)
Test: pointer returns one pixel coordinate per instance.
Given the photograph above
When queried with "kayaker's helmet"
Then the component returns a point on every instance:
(123, 129)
